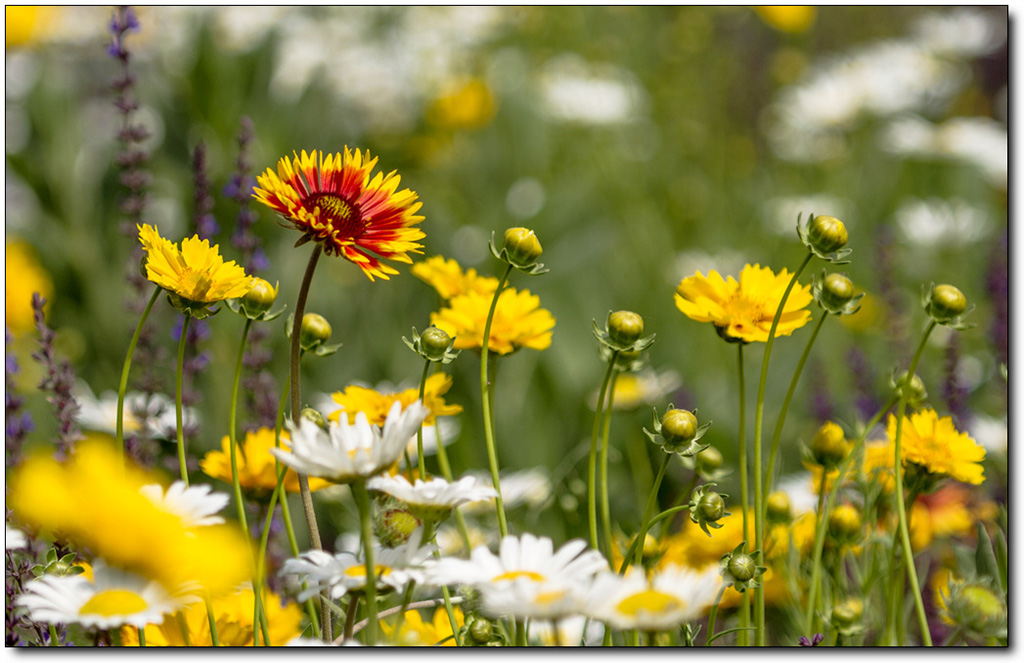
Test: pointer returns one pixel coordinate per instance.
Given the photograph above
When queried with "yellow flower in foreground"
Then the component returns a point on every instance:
(743, 310)
(787, 18)
(417, 633)
(936, 446)
(356, 399)
(257, 471)
(446, 276)
(23, 275)
(519, 322)
(196, 272)
(233, 616)
(95, 503)
(332, 200)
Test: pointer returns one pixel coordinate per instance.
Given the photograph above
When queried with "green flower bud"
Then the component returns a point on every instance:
(395, 525)
(742, 567)
(712, 506)
(709, 460)
(827, 233)
(838, 289)
(978, 609)
(435, 342)
(678, 427)
(522, 246)
(829, 446)
(625, 327)
(314, 416)
(315, 331)
(481, 631)
(946, 303)
(779, 508)
(913, 391)
(844, 523)
(848, 613)
(260, 298)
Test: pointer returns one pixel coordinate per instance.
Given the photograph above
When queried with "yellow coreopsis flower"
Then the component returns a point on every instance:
(257, 471)
(356, 399)
(95, 502)
(417, 633)
(332, 200)
(742, 311)
(233, 615)
(196, 272)
(879, 463)
(938, 447)
(465, 104)
(23, 275)
(519, 321)
(788, 18)
(447, 277)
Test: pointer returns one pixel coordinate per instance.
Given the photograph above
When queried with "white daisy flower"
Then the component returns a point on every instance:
(149, 415)
(531, 487)
(529, 557)
(346, 571)
(13, 539)
(672, 596)
(526, 598)
(195, 505)
(114, 598)
(347, 452)
(435, 498)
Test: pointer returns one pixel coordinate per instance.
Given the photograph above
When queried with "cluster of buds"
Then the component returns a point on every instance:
(707, 507)
(434, 345)
(520, 250)
(256, 304)
(740, 570)
(313, 334)
(946, 305)
(825, 237)
(836, 294)
(677, 432)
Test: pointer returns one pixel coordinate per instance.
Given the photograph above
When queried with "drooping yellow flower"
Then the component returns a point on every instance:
(519, 321)
(93, 502)
(23, 275)
(233, 615)
(257, 470)
(417, 633)
(743, 310)
(788, 18)
(332, 200)
(356, 399)
(463, 104)
(446, 276)
(196, 272)
(938, 447)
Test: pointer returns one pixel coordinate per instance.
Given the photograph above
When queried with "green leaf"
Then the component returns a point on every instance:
(985, 557)
(1001, 559)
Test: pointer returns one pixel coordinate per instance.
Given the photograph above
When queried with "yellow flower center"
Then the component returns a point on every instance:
(113, 602)
(194, 285)
(544, 598)
(743, 311)
(513, 575)
(359, 571)
(343, 215)
(650, 600)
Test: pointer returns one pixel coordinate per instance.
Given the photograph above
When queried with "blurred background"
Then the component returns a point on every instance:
(641, 144)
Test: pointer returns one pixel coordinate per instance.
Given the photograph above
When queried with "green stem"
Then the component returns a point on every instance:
(183, 627)
(446, 472)
(606, 517)
(419, 431)
(819, 537)
(742, 460)
(362, 498)
(177, 399)
(759, 625)
(711, 620)
(54, 638)
(520, 633)
(954, 637)
(485, 390)
(652, 500)
(667, 513)
(350, 617)
(901, 511)
(213, 622)
(123, 387)
(592, 461)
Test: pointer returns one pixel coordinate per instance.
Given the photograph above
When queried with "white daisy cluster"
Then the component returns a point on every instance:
(147, 415)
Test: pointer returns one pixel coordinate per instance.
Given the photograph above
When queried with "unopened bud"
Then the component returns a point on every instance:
(314, 416)
(779, 508)
(260, 298)
(435, 342)
(827, 233)
(709, 460)
(315, 330)
(523, 246)
(742, 567)
(848, 613)
(678, 427)
(712, 506)
(837, 290)
(829, 446)
(844, 523)
(946, 303)
(625, 327)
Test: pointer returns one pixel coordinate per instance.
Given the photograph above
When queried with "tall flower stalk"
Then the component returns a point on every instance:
(486, 392)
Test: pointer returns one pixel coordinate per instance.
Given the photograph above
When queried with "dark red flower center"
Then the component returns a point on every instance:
(342, 215)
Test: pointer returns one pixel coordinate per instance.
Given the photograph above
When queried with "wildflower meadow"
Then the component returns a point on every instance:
(474, 326)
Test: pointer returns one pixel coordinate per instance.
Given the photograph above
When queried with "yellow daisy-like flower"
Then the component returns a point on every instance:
(788, 18)
(233, 616)
(519, 321)
(332, 199)
(879, 462)
(23, 275)
(95, 503)
(196, 272)
(417, 633)
(356, 399)
(938, 447)
(446, 276)
(257, 470)
(743, 310)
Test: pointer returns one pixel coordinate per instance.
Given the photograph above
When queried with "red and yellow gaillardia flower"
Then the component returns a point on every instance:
(333, 200)
(742, 311)
(938, 447)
